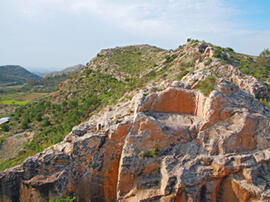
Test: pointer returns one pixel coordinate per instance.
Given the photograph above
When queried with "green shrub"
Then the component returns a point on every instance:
(68, 199)
(5, 127)
(217, 52)
(229, 49)
(24, 124)
(244, 69)
(38, 117)
(189, 64)
(182, 74)
(195, 43)
(170, 58)
(87, 72)
(45, 122)
(207, 85)
(2, 140)
(208, 61)
(149, 154)
(265, 101)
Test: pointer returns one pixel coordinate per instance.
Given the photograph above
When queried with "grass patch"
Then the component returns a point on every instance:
(265, 101)
(31, 96)
(188, 64)
(182, 74)
(129, 59)
(13, 102)
(68, 199)
(207, 85)
(13, 162)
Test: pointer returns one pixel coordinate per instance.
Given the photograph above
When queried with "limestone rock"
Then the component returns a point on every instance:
(231, 73)
(172, 145)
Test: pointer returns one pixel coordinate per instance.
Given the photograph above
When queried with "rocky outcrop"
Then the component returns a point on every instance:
(172, 145)
(247, 83)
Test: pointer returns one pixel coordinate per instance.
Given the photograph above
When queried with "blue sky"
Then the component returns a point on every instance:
(52, 34)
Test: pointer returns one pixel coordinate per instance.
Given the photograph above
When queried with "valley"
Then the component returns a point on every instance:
(14, 97)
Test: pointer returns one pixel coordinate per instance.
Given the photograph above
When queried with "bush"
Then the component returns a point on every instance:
(5, 127)
(189, 64)
(87, 72)
(265, 101)
(38, 117)
(208, 61)
(207, 85)
(170, 58)
(244, 69)
(182, 74)
(68, 199)
(149, 154)
(229, 49)
(217, 52)
(264, 58)
(2, 140)
(24, 124)
(45, 122)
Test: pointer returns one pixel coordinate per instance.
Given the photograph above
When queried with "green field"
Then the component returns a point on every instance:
(13, 102)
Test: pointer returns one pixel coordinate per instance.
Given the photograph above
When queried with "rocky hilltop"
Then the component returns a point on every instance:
(66, 71)
(204, 138)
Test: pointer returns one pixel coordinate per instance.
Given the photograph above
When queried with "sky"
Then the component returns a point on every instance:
(49, 35)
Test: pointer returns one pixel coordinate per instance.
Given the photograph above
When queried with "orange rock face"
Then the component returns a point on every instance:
(175, 101)
(172, 100)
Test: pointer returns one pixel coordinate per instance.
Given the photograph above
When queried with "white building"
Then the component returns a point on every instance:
(4, 120)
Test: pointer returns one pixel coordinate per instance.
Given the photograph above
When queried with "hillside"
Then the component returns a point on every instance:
(67, 71)
(147, 108)
(15, 75)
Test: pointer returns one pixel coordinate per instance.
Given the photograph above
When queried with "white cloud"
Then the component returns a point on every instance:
(142, 17)
(161, 16)
(167, 21)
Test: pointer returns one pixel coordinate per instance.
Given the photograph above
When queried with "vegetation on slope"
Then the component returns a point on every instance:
(259, 67)
(2, 139)
(33, 90)
(52, 121)
(207, 85)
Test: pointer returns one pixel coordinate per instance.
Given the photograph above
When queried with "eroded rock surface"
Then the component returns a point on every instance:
(173, 145)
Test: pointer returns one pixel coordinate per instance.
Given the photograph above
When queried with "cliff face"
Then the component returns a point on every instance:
(169, 143)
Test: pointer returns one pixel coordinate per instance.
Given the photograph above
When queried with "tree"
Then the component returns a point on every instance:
(31, 82)
(38, 117)
(264, 58)
(265, 53)
(46, 122)
(5, 127)
(24, 124)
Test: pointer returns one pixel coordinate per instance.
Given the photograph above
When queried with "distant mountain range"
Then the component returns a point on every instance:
(15, 74)
(66, 71)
